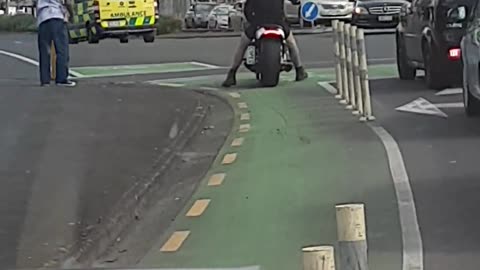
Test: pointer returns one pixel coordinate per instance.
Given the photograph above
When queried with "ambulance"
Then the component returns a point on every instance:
(93, 20)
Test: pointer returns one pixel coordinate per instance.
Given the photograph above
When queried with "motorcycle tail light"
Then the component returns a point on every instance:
(454, 54)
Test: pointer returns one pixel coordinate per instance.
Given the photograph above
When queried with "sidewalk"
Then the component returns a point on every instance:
(303, 154)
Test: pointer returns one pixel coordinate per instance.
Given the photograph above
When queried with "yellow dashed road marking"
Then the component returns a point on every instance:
(235, 95)
(242, 105)
(198, 208)
(229, 158)
(175, 241)
(245, 116)
(237, 142)
(244, 128)
(216, 179)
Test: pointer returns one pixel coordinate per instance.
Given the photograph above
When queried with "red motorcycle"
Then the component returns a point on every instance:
(268, 55)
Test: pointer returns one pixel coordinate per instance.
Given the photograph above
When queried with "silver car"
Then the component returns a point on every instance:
(197, 15)
(292, 12)
(470, 49)
(219, 17)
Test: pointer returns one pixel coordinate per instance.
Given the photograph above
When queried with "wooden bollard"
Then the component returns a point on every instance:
(53, 62)
(318, 258)
(352, 237)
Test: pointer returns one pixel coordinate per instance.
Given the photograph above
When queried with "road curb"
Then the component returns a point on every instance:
(207, 34)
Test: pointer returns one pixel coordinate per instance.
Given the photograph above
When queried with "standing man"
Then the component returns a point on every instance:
(52, 17)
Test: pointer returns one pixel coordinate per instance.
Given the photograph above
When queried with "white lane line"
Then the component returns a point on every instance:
(325, 85)
(450, 91)
(450, 105)
(411, 237)
(254, 267)
(204, 65)
(166, 84)
(33, 62)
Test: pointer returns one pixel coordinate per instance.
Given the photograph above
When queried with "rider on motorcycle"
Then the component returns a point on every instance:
(261, 12)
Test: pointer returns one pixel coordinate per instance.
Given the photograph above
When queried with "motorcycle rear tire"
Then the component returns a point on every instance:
(270, 62)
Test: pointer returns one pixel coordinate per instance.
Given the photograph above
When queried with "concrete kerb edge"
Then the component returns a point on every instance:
(230, 102)
(133, 201)
(190, 35)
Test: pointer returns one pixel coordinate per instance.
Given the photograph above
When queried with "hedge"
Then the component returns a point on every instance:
(18, 23)
(166, 25)
(27, 23)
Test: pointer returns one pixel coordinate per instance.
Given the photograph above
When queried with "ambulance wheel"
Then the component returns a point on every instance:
(92, 38)
(124, 39)
(72, 41)
(149, 37)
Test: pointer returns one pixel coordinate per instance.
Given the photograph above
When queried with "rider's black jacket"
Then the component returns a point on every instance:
(260, 12)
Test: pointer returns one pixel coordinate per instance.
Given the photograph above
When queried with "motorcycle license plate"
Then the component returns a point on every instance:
(250, 55)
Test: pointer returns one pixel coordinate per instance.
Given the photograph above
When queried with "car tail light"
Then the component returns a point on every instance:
(454, 54)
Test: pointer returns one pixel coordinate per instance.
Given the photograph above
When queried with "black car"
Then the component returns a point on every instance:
(377, 13)
(428, 37)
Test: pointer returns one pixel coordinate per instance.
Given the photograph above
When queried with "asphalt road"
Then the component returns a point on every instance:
(441, 153)
(441, 156)
(73, 160)
(316, 50)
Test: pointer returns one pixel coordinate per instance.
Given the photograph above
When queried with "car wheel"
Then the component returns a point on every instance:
(472, 104)
(124, 39)
(187, 25)
(149, 37)
(91, 37)
(434, 76)
(405, 70)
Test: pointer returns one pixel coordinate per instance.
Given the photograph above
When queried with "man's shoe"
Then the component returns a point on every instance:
(301, 74)
(67, 84)
(231, 79)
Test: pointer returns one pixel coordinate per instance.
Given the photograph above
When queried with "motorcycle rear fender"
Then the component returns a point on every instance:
(271, 33)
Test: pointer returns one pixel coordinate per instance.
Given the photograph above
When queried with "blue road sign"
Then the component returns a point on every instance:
(309, 11)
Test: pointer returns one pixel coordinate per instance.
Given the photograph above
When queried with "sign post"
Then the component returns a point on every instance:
(309, 12)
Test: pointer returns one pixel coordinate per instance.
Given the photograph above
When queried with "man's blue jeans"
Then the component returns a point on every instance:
(53, 30)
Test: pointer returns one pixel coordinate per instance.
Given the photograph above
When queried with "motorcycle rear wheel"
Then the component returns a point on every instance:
(270, 62)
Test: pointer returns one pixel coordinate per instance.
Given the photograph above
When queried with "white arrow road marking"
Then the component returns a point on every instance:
(309, 11)
(422, 106)
(450, 91)
(450, 105)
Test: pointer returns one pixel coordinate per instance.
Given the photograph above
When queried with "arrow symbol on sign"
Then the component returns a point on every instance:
(310, 10)
(422, 106)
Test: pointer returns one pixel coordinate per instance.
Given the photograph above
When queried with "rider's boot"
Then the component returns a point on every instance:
(301, 74)
(231, 79)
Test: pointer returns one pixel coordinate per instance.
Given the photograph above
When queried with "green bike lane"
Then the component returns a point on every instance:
(303, 154)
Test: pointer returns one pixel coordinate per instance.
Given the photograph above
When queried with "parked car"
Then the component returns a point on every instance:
(197, 15)
(470, 47)
(378, 13)
(292, 12)
(219, 17)
(428, 37)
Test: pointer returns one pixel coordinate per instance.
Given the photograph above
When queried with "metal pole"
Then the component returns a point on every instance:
(352, 238)
(348, 49)
(344, 89)
(318, 258)
(338, 77)
(362, 54)
(356, 74)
